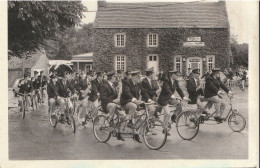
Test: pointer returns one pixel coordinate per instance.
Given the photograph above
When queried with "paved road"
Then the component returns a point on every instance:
(34, 139)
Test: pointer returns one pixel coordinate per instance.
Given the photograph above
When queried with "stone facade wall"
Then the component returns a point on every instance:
(170, 44)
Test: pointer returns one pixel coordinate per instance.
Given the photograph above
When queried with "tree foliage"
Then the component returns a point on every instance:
(239, 53)
(71, 42)
(30, 23)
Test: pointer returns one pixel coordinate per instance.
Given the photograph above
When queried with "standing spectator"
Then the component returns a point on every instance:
(243, 79)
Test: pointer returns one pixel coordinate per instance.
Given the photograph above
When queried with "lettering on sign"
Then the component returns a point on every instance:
(193, 44)
(194, 39)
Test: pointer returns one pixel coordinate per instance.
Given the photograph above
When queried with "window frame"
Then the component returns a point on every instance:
(175, 62)
(157, 40)
(213, 61)
(115, 63)
(115, 40)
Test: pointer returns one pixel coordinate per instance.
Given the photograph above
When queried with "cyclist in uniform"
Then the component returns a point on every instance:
(130, 99)
(213, 83)
(65, 90)
(195, 91)
(25, 87)
(43, 84)
(149, 90)
(167, 96)
(52, 91)
(36, 87)
(109, 98)
(95, 92)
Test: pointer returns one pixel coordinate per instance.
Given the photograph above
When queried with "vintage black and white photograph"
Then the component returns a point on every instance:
(129, 80)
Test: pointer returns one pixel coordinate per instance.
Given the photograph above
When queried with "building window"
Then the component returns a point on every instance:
(120, 39)
(152, 40)
(210, 62)
(178, 63)
(120, 62)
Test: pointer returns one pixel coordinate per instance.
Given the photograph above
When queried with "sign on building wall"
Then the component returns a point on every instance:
(194, 39)
(194, 42)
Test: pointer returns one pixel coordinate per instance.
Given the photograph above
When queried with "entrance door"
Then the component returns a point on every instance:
(88, 67)
(194, 63)
(153, 61)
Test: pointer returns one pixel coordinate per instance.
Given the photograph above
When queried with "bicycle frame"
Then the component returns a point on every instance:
(228, 114)
(117, 126)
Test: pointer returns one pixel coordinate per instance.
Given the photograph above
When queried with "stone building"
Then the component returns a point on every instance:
(161, 35)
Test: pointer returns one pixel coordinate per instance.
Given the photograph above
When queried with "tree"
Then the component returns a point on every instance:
(239, 53)
(30, 23)
(71, 42)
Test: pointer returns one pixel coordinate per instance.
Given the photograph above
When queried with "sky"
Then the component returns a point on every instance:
(238, 15)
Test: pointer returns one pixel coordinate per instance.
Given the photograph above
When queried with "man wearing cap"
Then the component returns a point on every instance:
(129, 98)
(213, 83)
(148, 90)
(167, 95)
(52, 91)
(25, 87)
(108, 97)
(65, 90)
(95, 92)
(36, 86)
(194, 88)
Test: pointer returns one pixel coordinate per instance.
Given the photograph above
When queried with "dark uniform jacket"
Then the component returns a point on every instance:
(26, 87)
(107, 94)
(43, 80)
(191, 89)
(93, 96)
(52, 90)
(168, 89)
(37, 83)
(65, 90)
(148, 90)
(212, 87)
(129, 91)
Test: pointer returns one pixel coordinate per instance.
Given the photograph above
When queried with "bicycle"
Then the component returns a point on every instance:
(67, 118)
(23, 104)
(83, 117)
(104, 127)
(235, 120)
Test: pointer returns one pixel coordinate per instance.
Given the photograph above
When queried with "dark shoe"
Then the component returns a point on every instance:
(168, 134)
(130, 124)
(137, 138)
(119, 137)
(156, 115)
(173, 118)
(205, 112)
(192, 120)
(219, 119)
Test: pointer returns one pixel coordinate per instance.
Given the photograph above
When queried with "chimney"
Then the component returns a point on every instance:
(101, 4)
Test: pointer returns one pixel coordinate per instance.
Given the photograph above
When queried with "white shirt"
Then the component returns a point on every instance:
(111, 84)
(149, 80)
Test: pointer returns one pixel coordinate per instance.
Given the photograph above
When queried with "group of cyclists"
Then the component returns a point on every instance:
(35, 87)
(129, 89)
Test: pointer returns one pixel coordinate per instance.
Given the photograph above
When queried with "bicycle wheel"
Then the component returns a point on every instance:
(23, 109)
(236, 122)
(153, 135)
(53, 120)
(81, 116)
(101, 128)
(187, 125)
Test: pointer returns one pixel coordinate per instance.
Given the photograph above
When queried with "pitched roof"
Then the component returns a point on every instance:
(16, 63)
(86, 57)
(162, 15)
